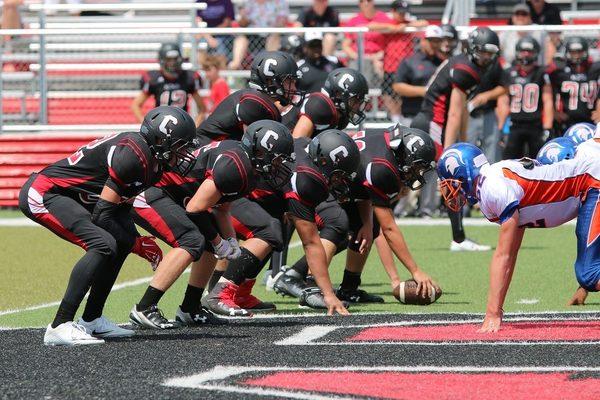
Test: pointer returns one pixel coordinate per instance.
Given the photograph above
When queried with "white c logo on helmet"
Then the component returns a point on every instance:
(265, 140)
(267, 68)
(163, 125)
(343, 79)
(414, 140)
(338, 152)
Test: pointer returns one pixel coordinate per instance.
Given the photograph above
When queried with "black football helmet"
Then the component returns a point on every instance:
(348, 90)
(276, 73)
(576, 50)
(170, 58)
(415, 153)
(337, 157)
(170, 132)
(270, 146)
(483, 46)
(449, 40)
(527, 50)
(293, 44)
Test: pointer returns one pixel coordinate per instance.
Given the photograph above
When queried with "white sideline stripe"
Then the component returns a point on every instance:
(308, 336)
(14, 222)
(202, 380)
(119, 286)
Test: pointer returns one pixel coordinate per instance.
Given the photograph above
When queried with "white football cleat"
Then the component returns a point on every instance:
(270, 283)
(468, 245)
(69, 334)
(103, 328)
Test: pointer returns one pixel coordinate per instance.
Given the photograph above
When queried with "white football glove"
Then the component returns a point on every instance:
(222, 250)
(235, 249)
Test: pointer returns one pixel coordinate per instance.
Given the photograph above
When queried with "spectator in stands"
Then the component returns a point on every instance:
(543, 13)
(320, 14)
(218, 86)
(410, 82)
(171, 85)
(314, 65)
(11, 18)
(521, 16)
(398, 45)
(374, 42)
(259, 14)
(217, 14)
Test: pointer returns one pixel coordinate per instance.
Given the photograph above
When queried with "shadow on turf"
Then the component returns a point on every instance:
(176, 335)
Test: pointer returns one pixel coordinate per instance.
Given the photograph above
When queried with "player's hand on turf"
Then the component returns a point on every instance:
(578, 298)
(146, 247)
(235, 249)
(364, 238)
(425, 285)
(491, 323)
(222, 249)
(334, 305)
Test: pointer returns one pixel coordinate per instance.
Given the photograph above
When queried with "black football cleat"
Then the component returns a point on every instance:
(152, 318)
(220, 301)
(290, 283)
(199, 317)
(313, 298)
(358, 296)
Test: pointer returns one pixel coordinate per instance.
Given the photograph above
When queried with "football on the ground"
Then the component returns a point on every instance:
(406, 293)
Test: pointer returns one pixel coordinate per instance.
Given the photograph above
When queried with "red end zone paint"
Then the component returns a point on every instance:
(436, 386)
(515, 331)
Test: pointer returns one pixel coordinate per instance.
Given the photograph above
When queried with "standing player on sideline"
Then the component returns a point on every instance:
(85, 199)
(444, 112)
(519, 194)
(528, 102)
(273, 78)
(178, 211)
(576, 85)
(171, 85)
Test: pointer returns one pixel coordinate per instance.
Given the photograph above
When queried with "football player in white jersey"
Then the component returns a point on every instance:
(519, 194)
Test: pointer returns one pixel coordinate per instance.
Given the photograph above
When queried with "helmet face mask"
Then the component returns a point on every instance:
(414, 151)
(339, 184)
(576, 50)
(453, 194)
(527, 51)
(170, 58)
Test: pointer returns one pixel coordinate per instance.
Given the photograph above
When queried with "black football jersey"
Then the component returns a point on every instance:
(458, 71)
(307, 188)
(314, 72)
(122, 161)
(575, 91)
(378, 178)
(319, 108)
(171, 92)
(525, 93)
(236, 110)
(224, 162)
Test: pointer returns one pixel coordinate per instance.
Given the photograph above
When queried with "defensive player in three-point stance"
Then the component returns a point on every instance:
(86, 199)
(519, 194)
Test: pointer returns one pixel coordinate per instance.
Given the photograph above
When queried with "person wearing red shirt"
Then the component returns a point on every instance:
(219, 89)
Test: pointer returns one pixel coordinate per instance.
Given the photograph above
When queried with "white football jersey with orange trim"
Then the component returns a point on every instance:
(545, 195)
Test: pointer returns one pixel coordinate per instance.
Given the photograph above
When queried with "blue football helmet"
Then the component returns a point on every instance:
(458, 168)
(580, 132)
(556, 150)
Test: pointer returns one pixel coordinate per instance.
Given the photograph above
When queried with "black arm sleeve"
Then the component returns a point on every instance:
(204, 222)
(128, 175)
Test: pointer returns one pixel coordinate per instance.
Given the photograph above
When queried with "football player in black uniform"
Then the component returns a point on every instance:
(171, 85)
(528, 102)
(177, 210)
(342, 101)
(443, 113)
(84, 199)
(575, 85)
(314, 66)
(391, 161)
(273, 79)
(324, 164)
